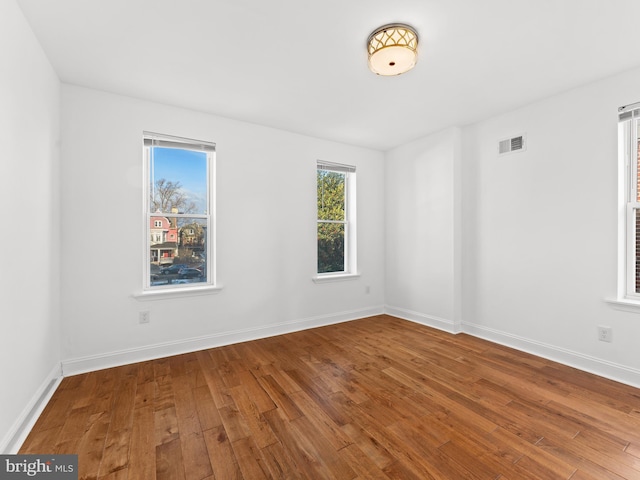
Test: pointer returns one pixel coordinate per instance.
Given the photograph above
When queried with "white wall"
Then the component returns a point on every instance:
(536, 236)
(540, 246)
(422, 221)
(29, 309)
(266, 201)
(519, 249)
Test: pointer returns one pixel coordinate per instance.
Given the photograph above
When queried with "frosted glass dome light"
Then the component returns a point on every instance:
(393, 49)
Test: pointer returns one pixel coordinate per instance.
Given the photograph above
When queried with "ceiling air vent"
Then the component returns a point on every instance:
(514, 144)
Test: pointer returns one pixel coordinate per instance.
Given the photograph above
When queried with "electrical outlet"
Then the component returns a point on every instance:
(605, 334)
(145, 317)
(367, 289)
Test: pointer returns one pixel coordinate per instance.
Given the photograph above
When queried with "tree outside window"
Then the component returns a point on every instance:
(334, 226)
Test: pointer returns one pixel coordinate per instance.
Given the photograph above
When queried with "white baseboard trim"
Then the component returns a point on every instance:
(75, 366)
(423, 319)
(613, 371)
(20, 429)
(587, 363)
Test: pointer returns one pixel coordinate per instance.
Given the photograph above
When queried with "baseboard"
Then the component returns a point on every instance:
(423, 319)
(18, 432)
(597, 366)
(76, 366)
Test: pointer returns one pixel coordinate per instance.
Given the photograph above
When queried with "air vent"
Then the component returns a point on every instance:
(514, 144)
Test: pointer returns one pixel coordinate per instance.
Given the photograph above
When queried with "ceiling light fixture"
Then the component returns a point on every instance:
(393, 49)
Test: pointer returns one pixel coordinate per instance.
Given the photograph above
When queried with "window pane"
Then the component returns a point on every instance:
(330, 247)
(331, 195)
(178, 181)
(183, 260)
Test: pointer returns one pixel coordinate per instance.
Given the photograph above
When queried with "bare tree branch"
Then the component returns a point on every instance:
(167, 195)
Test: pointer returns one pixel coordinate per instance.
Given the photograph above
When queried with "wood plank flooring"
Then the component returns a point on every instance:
(377, 398)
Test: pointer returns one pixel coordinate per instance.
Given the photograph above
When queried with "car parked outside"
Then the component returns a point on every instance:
(173, 269)
(189, 273)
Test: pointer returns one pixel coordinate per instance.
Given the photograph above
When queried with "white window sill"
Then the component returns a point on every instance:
(161, 294)
(625, 304)
(337, 277)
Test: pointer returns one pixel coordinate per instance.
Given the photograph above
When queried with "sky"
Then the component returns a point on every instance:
(185, 166)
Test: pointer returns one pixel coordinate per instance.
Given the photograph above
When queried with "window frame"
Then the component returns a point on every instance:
(349, 222)
(629, 191)
(151, 140)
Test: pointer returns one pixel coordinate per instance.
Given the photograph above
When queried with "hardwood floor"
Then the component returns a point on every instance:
(375, 398)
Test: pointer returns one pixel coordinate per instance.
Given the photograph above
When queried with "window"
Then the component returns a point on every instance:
(629, 151)
(336, 228)
(178, 197)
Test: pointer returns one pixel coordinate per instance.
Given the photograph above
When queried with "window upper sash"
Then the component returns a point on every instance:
(628, 118)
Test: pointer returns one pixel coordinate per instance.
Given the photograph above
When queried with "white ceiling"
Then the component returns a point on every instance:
(301, 66)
